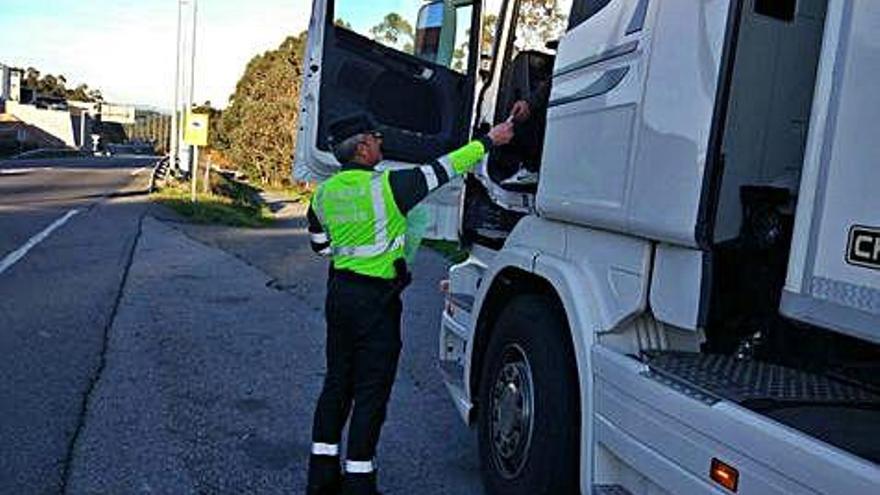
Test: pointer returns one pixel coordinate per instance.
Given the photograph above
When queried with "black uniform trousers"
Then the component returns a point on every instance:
(363, 345)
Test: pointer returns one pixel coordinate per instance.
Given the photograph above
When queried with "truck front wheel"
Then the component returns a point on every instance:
(529, 410)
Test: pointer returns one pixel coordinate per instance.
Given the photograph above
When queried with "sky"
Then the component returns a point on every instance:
(126, 47)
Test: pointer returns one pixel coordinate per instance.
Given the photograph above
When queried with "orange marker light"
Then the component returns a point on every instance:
(724, 474)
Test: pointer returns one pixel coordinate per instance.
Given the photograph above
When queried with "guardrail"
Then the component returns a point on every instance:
(160, 172)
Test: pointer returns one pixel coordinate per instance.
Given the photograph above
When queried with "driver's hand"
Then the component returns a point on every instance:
(521, 111)
(501, 133)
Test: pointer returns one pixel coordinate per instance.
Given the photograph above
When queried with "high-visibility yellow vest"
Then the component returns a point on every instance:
(366, 228)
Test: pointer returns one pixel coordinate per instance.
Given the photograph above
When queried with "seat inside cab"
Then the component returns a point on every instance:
(504, 191)
(522, 79)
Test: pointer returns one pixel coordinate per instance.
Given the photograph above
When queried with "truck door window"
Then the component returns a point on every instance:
(584, 9)
(461, 55)
(491, 13)
(397, 24)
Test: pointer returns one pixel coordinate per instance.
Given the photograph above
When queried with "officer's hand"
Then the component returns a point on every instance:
(501, 133)
(521, 111)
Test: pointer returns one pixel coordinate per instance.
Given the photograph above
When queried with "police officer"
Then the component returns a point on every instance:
(358, 217)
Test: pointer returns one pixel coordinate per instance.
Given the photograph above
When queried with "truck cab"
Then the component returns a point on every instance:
(688, 300)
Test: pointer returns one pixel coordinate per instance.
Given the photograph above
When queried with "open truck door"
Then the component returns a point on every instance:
(834, 270)
(409, 66)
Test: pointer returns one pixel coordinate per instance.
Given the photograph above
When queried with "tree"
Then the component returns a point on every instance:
(259, 125)
(95, 95)
(539, 21)
(80, 93)
(56, 86)
(458, 57)
(394, 31)
(31, 78)
(487, 39)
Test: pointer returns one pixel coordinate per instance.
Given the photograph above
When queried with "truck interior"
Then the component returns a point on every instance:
(811, 379)
(493, 205)
(487, 219)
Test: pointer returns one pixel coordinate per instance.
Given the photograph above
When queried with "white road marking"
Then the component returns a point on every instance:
(15, 171)
(13, 257)
(136, 172)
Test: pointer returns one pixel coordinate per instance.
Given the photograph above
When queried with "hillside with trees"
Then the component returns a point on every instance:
(256, 132)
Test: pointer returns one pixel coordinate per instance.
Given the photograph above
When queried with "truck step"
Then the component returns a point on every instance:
(463, 301)
(752, 383)
(609, 490)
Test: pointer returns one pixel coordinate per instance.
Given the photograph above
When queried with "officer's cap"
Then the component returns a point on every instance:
(351, 125)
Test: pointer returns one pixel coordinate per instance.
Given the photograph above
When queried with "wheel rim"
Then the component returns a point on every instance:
(512, 412)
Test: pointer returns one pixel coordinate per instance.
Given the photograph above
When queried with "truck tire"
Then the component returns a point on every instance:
(529, 404)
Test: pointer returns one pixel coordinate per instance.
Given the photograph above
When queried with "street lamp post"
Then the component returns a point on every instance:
(174, 137)
(184, 87)
(194, 169)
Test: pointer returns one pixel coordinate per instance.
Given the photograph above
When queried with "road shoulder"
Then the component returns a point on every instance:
(199, 392)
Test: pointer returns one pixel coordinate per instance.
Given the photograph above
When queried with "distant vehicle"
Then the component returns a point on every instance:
(140, 149)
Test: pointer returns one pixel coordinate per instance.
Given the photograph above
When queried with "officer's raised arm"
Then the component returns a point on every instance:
(410, 186)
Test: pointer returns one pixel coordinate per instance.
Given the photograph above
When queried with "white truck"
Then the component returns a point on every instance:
(689, 299)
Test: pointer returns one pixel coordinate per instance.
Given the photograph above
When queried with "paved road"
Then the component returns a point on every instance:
(425, 448)
(56, 302)
(153, 356)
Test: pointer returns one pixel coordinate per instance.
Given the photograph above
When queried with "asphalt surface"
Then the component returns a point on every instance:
(56, 304)
(425, 447)
(148, 355)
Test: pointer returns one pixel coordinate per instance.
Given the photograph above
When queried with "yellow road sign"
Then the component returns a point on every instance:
(195, 132)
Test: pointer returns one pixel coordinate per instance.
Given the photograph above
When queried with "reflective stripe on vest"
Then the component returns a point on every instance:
(380, 228)
(367, 231)
(380, 216)
(368, 251)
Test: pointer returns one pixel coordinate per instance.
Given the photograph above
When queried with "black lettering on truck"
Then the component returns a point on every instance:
(864, 247)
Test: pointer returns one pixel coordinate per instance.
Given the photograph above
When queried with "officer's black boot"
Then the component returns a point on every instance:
(325, 477)
(359, 484)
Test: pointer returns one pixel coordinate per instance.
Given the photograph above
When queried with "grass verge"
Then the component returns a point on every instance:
(229, 203)
(291, 192)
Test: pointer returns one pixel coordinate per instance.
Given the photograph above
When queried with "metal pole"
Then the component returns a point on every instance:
(192, 64)
(195, 173)
(182, 148)
(82, 129)
(174, 116)
(206, 186)
(192, 82)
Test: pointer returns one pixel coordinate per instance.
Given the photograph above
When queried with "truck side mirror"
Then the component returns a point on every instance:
(435, 32)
